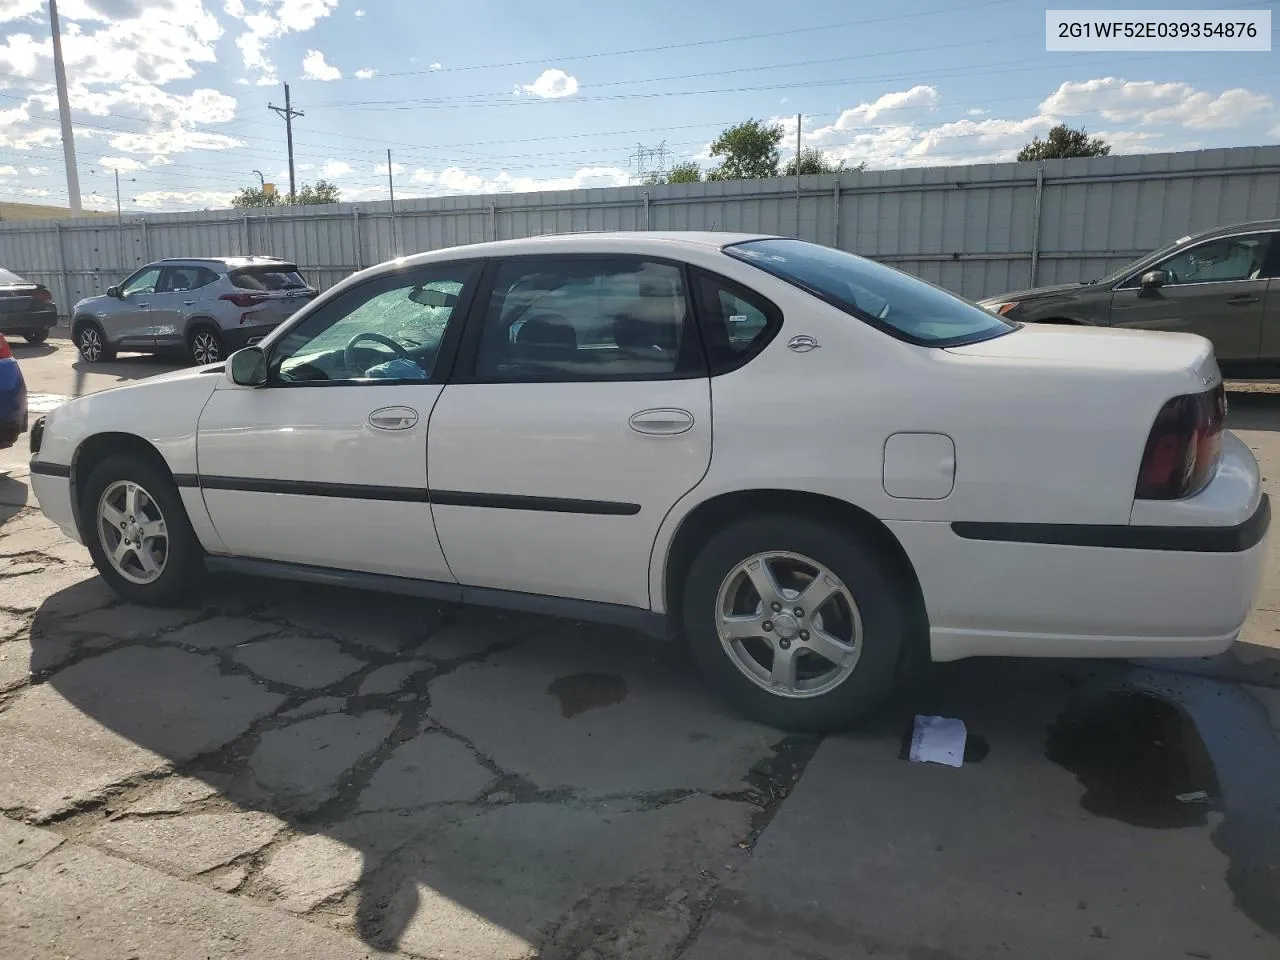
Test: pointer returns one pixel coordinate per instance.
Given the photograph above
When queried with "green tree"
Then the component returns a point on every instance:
(1064, 141)
(687, 172)
(749, 151)
(322, 192)
(813, 160)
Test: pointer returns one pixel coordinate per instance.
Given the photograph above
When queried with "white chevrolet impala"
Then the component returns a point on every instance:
(814, 468)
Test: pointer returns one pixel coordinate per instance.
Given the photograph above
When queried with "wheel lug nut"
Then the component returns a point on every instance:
(799, 612)
(776, 606)
(804, 635)
(767, 625)
(785, 644)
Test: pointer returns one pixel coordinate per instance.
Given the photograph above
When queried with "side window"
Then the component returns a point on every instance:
(390, 328)
(144, 281)
(737, 322)
(182, 279)
(587, 318)
(1215, 261)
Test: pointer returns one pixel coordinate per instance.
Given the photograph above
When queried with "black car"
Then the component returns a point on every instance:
(26, 309)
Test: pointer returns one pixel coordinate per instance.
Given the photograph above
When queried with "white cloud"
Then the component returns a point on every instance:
(159, 160)
(160, 200)
(359, 13)
(37, 171)
(274, 19)
(366, 73)
(918, 97)
(435, 66)
(20, 54)
(1148, 103)
(123, 164)
(314, 67)
(550, 85)
(34, 192)
(334, 168)
(200, 106)
(17, 9)
(396, 169)
(173, 139)
(976, 112)
(8, 170)
(453, 180)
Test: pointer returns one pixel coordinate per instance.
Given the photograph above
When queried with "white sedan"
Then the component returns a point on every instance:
(814, 468)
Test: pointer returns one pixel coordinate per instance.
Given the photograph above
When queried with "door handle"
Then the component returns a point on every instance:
(393, 418)
(144, 304)
(1242, 299)
(661, 421)
(188, 303)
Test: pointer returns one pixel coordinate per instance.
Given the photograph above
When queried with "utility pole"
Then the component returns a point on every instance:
(799, 118)
(64, 113)
(391, 186)
(288, 113)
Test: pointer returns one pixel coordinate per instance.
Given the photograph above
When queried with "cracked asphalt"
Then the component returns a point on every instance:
(283, 771)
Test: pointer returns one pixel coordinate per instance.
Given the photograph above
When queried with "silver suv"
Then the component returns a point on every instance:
(206, 308)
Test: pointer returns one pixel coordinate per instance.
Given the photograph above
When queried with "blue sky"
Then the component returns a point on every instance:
(504, 96)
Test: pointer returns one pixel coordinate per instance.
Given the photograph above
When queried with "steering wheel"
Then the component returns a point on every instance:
(349, 355)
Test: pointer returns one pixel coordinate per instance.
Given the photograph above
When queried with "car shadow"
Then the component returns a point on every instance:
(29, 351)
(14, 495)
(127, 367)
(1252, 409)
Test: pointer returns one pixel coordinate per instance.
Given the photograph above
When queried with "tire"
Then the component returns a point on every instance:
(92, 343)
(36, 337)
(875, 624)
(182, 560)
(205, 345)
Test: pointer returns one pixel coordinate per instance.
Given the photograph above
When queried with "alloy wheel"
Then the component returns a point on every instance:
(90, 344)
(205, 348)
(133, 533)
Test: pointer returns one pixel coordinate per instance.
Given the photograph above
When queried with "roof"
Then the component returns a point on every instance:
(237, 261)
(1235, 228)
(619, 241)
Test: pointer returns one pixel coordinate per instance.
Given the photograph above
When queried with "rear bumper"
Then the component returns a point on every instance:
(1158, 589)
(43, 319)
(238, 337)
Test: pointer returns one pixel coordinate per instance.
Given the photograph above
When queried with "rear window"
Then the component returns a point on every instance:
(897, 303)
(277, 276)
(8, 276)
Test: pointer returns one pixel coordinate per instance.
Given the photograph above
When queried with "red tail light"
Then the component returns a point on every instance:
(5, 352)
(43, 295)
(244, 299)
(1183, 446)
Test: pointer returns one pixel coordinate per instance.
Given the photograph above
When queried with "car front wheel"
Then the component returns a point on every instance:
(137, 531)
(800, 626)
(92, 344)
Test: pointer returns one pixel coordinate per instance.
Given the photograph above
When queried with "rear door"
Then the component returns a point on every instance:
(578, 414)
(176, 296)
(1215, 288)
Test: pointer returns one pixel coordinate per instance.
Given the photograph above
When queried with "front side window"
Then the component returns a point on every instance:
(144, 281)
(390, 328)
(1216, 261)
(587, 318)
(899, 304)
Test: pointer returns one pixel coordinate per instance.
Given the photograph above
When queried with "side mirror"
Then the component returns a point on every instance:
(113, 292)
(248, 367)
(1154, 278)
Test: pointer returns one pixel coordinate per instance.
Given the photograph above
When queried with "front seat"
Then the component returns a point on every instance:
(547, 339)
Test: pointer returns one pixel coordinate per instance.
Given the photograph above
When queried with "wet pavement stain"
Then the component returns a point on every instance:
(1135, 754)
(580, 692)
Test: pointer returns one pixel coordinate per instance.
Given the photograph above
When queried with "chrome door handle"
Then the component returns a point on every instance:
(143, 304)
(393, 418)
(188, 303)
(661, 421)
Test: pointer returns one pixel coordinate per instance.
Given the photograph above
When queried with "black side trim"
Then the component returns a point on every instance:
(308, 488)
(636, 618)
(507, 501)
(186, 479)
(1235, 539)
(44, 468)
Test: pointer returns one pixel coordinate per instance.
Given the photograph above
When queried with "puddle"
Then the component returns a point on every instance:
(1135, 753)
(580, 692)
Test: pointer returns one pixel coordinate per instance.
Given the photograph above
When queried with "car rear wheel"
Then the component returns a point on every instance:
(36, 336)
(92, 344)
(800, 626)
(206, 346)
(137, 531)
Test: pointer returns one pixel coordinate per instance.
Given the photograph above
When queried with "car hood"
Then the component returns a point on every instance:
(89, 304)
(1035, 293)
(1185, 355)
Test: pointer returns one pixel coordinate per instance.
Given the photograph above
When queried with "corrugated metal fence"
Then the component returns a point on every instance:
(977, 230)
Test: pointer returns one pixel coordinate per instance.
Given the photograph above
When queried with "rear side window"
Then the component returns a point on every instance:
(182, 279)
(901, 305)
(277, 276)
(736, 322)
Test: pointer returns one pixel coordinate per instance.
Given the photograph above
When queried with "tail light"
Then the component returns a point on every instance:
(1183, 447)
(244, 299)
(43, 295)
(5, 352)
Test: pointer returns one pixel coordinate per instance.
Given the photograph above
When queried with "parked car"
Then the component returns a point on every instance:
(203, 307)
(27, 309)
(13, 398)
(896, 473)
(1221, 284)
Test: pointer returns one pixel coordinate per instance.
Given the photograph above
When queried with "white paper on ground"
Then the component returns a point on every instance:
(938, 740)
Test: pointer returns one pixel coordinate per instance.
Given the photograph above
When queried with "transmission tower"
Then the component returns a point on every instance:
(648, 161)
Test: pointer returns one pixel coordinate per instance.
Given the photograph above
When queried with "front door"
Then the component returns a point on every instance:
(578, 415)
(1216, 288)
(176, 296)
(326, 464)
(127, 322)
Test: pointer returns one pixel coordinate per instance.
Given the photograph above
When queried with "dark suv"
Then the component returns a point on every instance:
(205, 307)
(1223, 284)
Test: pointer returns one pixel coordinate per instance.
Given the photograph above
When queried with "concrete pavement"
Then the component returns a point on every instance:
(282, 771)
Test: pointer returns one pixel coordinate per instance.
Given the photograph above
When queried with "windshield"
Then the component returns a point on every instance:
(897, 303)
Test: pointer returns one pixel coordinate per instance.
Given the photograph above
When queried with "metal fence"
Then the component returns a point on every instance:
(977, 230)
